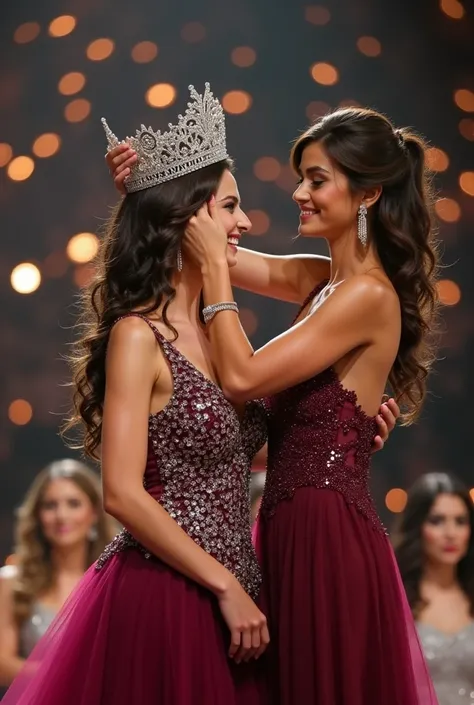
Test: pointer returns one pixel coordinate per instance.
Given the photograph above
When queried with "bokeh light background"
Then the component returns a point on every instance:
(275, 66)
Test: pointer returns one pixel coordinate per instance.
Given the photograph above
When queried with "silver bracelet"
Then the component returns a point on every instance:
(209, 312)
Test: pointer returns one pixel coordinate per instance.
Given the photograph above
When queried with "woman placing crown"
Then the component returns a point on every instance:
(342, 633)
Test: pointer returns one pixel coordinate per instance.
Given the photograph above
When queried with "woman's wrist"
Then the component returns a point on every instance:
(214, 263)
(223, 583)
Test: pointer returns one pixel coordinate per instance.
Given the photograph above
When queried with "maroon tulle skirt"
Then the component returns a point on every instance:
(342, 632)
(136, 633)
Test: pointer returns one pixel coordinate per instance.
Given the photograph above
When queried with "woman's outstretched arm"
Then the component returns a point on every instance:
(283, 277)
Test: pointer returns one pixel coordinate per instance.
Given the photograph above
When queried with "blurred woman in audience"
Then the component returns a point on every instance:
(434, 545)
(61, 530)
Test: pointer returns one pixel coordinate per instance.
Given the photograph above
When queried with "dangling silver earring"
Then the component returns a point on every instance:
(179, 260)
(93, 534)
(362, 224)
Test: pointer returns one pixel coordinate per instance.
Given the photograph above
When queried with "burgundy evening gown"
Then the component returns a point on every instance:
(341, 629)
(136, 632)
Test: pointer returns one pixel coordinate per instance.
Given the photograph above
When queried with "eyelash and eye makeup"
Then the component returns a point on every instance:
(72, 503)
(314, 183)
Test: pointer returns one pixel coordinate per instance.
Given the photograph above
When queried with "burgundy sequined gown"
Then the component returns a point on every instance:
(342, 632)
(135, 632)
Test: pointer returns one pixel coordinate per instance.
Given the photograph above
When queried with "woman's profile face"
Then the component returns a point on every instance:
(232, 216)
(327, 206)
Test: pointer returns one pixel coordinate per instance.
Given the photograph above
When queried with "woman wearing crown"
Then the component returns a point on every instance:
(167, 615)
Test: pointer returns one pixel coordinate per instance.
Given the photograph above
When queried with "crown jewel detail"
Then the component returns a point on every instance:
(197, 141)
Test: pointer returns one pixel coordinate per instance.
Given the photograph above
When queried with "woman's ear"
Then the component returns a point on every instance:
(372, 195)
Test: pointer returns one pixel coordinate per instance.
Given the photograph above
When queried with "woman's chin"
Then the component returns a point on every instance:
(307, 230)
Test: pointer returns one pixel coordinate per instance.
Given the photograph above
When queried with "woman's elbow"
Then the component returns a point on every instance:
(114, 502)
(237, 390)
(122, 501)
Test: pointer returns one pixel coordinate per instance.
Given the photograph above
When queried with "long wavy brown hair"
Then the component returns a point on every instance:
(370, 152)
(34, 569)
(135, 268)
(407, 536)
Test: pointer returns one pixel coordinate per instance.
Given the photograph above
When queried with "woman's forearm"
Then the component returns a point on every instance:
(231, 347)
(285, 278)
(152, 526)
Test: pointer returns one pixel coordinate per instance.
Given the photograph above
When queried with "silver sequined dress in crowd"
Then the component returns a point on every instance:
(450, 659)
(33, 628)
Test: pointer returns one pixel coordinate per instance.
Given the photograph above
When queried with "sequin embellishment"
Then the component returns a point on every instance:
(201, 457)
(319, 437)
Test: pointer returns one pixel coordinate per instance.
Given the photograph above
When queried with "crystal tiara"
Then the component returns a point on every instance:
(197, 141)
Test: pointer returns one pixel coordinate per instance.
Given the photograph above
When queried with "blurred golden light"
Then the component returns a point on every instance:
(370, 46)
(143, 52)
(46, 145)
(243, 56)
(6, 153)
(82, 247)
(260, 222)
(62, 26)
(236, 102)
(449, 292)
(77, 110)
(160, 95)
(20, 412)
(466, 182)
(471, 492)
(25, 278)
(249, 321)
(316, 14)
(267, 168)
(100, 49)
(464, 99)
(26, 32)
(466, 128)
(83, 275)
(71, 83)
(12, 559)
(395, 500)
(317, 108)
(452, 8)
(20, 168)
(436, 159)
(325, 74)
(448, 209)
(193, 32)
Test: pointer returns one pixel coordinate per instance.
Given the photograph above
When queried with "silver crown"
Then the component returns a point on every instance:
(197, 141)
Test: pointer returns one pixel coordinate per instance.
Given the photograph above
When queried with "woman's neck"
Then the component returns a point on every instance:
(188, 286)
(440, 576)
(349, 258)
(71, 560)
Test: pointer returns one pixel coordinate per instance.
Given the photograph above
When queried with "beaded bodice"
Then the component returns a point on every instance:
(319, 436)
(450, 659)
(198, 468)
